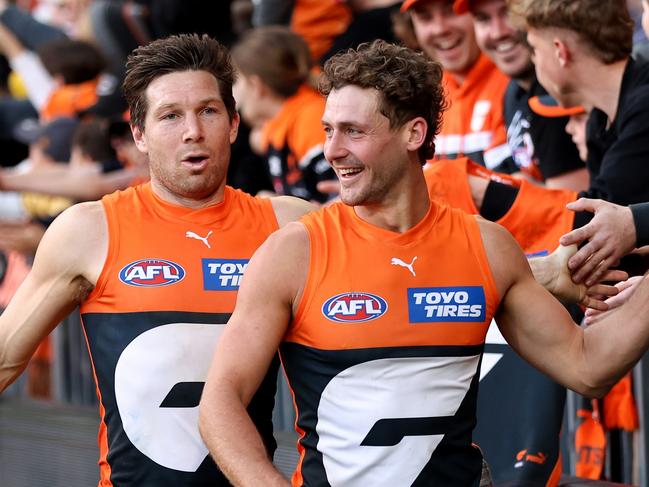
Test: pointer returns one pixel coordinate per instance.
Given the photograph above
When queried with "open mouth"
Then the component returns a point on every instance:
(447, 45)
(505, 47)
(195, 159)
(349, 172)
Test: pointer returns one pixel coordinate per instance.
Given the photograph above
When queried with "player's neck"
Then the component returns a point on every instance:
(188, 201)
(400, 209)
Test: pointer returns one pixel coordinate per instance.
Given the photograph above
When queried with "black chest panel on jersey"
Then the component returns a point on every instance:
(137, 354)
(454, 462)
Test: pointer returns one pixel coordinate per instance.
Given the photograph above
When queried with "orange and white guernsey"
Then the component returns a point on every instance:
(384, 352)
(167, 289)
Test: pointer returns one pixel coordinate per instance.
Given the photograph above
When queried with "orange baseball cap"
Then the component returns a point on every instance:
(408, 3)
(461, 6)
(546, 106)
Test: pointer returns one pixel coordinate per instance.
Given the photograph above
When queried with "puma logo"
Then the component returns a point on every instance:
(202, 239)
(399, 262)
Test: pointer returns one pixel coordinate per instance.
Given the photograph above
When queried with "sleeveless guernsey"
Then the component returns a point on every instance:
(384, 352)
(166, 290)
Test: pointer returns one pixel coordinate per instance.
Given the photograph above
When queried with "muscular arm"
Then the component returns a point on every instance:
(67, 264)
(267, 298)
(588, 361)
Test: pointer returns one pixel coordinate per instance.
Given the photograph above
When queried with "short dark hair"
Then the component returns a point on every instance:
(91, 137)
(410, 84)
(76, 61)
(184, 52)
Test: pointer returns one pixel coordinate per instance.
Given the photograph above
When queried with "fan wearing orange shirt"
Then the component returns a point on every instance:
(473, 125)
(277, 99)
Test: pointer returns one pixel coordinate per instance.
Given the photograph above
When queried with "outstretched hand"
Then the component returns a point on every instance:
(625, 290)
(562, 286)
(611, 234)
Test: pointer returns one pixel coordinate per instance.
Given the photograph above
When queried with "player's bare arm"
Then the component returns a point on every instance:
(588, 361)
(66, 267)
(289, 208)
(267, 299)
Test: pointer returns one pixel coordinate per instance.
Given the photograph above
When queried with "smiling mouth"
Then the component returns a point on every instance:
(505, 47)
(348, 172)
(447, 45)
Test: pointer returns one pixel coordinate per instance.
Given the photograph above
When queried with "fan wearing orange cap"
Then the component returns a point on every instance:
(473, 124)
(541, 149)
(547, 107)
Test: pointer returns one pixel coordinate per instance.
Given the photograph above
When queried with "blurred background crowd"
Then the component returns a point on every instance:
(64, 129)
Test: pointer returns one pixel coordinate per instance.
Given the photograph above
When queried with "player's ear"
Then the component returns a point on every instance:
(138, 137)
(562, 51)
(415, 133)
(234, 127)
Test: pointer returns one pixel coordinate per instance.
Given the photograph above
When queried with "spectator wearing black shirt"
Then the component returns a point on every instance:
(540, 146)
(614, 230)
(582, 52)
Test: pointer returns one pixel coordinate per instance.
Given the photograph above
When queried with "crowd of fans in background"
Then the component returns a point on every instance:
(64, 128)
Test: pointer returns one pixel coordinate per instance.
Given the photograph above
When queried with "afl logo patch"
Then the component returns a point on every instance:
(354, 307)
(151, 273)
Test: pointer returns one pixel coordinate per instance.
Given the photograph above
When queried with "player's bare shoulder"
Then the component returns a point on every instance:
(493, 232)
(288, 246)
(280, 266)
(76, 243)
(289, 208)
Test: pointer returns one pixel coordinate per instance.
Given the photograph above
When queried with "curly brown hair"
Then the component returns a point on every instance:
(410, 84)
(184, 52)
(605, 26)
